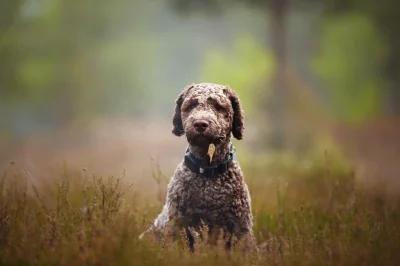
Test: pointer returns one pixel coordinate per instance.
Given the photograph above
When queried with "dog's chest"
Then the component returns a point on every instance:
(211, 199)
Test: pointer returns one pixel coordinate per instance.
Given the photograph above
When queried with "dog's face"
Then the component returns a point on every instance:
(208, 113)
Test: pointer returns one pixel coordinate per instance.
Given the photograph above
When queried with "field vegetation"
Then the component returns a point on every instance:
(306, 212)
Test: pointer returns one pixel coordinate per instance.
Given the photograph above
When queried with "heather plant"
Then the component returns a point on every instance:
(305, 213)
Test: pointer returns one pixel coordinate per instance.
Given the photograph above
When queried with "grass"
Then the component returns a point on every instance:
(305, 213)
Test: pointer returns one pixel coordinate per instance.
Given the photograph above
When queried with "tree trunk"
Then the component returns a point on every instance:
(279, 96)
(393, 71)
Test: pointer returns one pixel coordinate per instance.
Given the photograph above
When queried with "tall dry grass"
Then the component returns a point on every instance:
(310, 212)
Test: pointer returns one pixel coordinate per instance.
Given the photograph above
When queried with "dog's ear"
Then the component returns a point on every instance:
(177, 129)
(238, 114)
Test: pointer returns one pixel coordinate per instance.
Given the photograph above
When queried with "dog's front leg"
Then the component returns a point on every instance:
(161, 223)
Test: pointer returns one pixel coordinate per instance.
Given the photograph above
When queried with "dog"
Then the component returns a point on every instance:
(208, 187)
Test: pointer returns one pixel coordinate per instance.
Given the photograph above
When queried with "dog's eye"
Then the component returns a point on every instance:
(190, 105)
(219, 107)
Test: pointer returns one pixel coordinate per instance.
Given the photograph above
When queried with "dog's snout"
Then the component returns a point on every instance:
(201, 125)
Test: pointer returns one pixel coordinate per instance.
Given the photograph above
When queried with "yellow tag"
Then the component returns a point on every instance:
(211, 151)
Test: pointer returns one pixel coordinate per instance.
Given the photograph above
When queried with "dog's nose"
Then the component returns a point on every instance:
(201, 125)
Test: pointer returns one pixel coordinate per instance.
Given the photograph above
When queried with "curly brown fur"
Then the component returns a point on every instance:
(222, 202)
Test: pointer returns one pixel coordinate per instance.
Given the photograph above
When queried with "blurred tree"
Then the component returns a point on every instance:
(68, 60)
(349, 62)
(9, 58)
(9, 22)
(276, 11)
(243, 68)
(385, 15)
(359, 79)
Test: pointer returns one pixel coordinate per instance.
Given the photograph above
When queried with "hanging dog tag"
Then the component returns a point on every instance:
(211, 151)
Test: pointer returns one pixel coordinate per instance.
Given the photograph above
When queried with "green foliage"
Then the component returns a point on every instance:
(349, 63)
(243, 67)
(37, 74)
(75, 59)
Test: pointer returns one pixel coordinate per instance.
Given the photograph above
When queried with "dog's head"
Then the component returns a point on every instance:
(208, 113)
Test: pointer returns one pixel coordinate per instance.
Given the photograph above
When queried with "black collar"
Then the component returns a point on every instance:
(210, 171)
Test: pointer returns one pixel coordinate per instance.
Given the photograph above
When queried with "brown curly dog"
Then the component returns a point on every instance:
(208, 190)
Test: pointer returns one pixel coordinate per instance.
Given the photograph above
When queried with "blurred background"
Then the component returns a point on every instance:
(92, 84)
